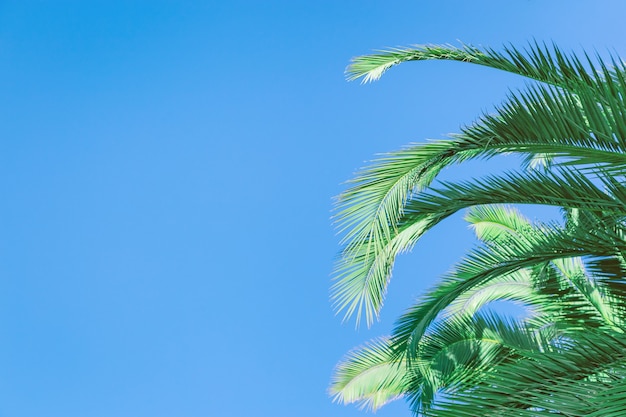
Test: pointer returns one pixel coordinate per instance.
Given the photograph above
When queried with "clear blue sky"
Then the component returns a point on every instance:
(167, 171)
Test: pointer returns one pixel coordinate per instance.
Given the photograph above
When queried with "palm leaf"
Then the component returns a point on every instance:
(537, 62)
(371, 376)
(488, 263)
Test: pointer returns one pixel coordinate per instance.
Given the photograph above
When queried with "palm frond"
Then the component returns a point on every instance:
(537, 62)
(365, 270)
(487, 263)
(466, 348)
(371, 376)
(496, 222)
(516, 287)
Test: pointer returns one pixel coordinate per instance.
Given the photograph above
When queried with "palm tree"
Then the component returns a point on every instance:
(571, 129)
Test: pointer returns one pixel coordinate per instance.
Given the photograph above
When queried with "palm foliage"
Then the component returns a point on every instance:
(452, 355)
(448, 354)
(581, 378)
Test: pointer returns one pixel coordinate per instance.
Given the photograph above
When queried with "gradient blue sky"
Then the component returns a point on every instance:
(167, 171)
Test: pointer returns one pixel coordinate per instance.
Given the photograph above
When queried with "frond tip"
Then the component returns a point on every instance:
(372, 67)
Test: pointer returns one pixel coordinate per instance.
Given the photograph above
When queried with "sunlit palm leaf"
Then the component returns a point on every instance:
(370, 376)
(459, 347)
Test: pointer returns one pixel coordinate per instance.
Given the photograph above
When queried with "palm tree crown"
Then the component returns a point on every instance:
(448, 354)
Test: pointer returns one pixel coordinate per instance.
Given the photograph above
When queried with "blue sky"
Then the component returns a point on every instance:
(167, 171)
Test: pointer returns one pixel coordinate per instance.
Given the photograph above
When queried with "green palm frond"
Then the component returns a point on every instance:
(488, 263)
(363, 275)
(466, 348)
(573, 271)
(364, 271)
(496, 222)
(371, 376)
(516, 287)
(537, 62)
(458, 347)
(503, 225)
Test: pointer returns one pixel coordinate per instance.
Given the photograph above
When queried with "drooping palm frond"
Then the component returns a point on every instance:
(580, 121)
(516, 287)
(502, 224)
(371, 376)
(538, 62)
(465, 346)
(493, 223)
(364, 271)
(485, 264)
(577, 312)
(570, 278)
